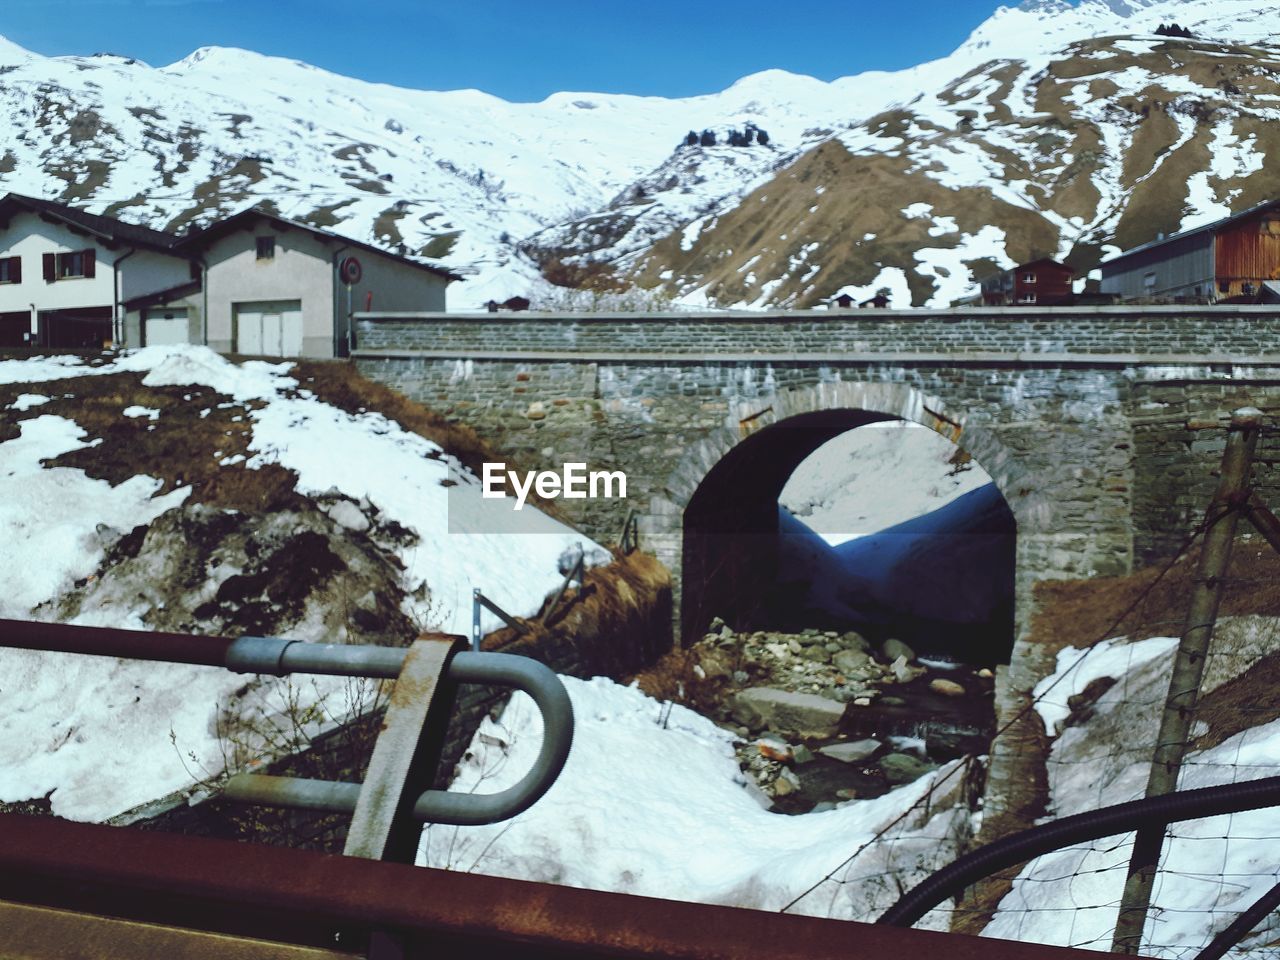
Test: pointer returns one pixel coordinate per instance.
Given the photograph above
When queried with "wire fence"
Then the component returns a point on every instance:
(1101, 711)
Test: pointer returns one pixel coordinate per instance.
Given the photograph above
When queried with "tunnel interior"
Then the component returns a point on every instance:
(942, 582)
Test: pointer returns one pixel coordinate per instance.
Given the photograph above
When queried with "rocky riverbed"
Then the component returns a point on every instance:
(825, 717)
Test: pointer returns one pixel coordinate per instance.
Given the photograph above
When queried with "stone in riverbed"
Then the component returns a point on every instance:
(854, 641)
(850, 661)
(782, 710)
(772, 749)
(894, 648)
(904, 768)
(850, 752)
(948, 688)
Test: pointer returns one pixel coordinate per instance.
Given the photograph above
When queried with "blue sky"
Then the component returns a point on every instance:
(518, 49)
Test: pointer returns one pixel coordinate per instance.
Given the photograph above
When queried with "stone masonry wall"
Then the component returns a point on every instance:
(1108, 465)
(1180, 331)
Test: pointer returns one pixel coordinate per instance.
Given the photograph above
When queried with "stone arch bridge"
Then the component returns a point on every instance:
(1102, 426)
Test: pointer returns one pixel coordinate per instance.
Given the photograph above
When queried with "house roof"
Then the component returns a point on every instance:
(163, 296)
(111, 231)
(1042, 261)
(241, 220)
(1214, 227)
(107, 229)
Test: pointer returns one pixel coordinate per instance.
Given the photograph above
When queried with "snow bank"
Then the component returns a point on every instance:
(662, 811)
(55, 522)
(1211, 868)
(104, 735)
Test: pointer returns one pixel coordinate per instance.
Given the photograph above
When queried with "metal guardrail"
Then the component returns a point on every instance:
(388, 807)
(85, 890)
(439, 806)
(1080, 828)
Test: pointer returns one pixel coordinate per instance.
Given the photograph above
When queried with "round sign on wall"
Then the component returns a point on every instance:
(349, 270)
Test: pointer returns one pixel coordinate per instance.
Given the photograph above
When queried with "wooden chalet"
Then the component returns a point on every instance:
(1038, 283)
(1236, 259)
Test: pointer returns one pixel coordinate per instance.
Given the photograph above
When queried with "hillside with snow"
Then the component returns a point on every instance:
(1056, 128)
(171, 490)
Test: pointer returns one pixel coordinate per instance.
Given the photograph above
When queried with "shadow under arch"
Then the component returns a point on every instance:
(725, 492)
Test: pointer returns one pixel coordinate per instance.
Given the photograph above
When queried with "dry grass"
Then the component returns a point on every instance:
(1078, 613)
(184, 447)
(181, 448)
(1149, 603)
(632, 593)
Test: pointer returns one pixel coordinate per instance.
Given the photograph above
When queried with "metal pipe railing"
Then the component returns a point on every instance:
(277, 657)
(113, 642)
(1079, 828)
(440, 806)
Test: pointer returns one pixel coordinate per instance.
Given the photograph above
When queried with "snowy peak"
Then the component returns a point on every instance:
(1051, 129)
(1042, 26)
(11, 53)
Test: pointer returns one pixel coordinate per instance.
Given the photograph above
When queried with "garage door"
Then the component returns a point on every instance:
(270, 328)
(165, 326)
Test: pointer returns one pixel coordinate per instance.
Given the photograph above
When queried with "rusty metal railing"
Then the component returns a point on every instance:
(394, 799)
(76, 889)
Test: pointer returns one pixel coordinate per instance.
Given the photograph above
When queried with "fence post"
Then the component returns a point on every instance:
(1188, 669)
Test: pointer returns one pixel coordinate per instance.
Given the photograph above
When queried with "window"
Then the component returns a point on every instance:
(71, 264)
(1224, 286)
(65, 266)
(1027, 298)
(10, 269)
(1029, 277)
(1149, 282)
(266, 248)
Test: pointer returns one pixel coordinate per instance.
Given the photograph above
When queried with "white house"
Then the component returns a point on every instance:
(278, 287)
(254, 283)
(65, 274)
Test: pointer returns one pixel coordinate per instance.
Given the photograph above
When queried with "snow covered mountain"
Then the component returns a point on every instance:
(1055, 128)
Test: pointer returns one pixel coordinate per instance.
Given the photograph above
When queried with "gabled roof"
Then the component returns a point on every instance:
(108, 230)
(1213, 227)
(111, 232)
(239, 221)
(163, 296)
(1042, 261)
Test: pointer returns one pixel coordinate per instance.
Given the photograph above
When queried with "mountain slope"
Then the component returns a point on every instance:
(1053, 129)
(1075, 155)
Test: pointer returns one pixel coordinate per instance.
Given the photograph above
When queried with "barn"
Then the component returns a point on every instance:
(1235, 259)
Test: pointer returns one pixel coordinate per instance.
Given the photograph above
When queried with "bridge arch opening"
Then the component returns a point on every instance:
(943, 582)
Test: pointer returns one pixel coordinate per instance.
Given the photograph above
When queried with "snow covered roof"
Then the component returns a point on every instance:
(107, 229)
(1214, 227)
(239, 220)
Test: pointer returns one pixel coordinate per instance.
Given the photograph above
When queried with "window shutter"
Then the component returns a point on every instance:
(15, 269)
(50, 261)
(89, 265)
